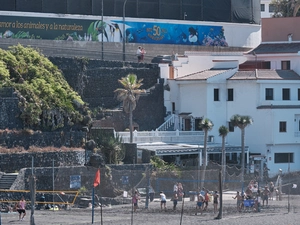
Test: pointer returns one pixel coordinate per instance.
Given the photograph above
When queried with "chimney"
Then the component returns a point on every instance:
(290, 38)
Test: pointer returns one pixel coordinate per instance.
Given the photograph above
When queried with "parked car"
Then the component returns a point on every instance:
(162, 59)
(143, 192)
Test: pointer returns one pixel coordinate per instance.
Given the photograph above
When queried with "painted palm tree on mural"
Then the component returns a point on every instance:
(206, 125)
(223, 131)
(129, 95)
(242, 122)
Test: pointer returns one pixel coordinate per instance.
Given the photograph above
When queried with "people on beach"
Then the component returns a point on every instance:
(216, 201)
(135, 199)
(239, 200)
(163, 201)
(21, 208)
(206, 200)
(272, 189)
(175, 200)
(200, 200)
(257, 202)
(266, 193)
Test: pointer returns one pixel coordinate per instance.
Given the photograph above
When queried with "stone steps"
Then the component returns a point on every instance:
(7, 180)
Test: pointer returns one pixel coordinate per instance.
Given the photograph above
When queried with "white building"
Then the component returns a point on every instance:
(263, 83)
(267, 9)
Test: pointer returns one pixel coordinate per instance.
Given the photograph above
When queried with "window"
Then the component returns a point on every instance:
(285, 94)
(298, 94)
(272, 8)
(197, 122)
(230, 94)
(284, 157)
(216, 94)
(230, 127)
(282, 126)
(266, 65)
(269, 94)
(262, 7)
(285, 65)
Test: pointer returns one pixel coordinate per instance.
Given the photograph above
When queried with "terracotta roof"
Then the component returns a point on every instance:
(265, 75)
(272, 48)
(203, 75)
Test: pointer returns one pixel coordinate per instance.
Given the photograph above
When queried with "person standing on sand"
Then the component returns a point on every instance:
(239, 200)
(163, 201)
(216, 201)
(135, 199)
(175, 200)
(21, 208)
(200, 200)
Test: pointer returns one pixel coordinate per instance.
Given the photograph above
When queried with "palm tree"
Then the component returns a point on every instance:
(223, 131)
(206, 125)
(129, 95)
(242, 122)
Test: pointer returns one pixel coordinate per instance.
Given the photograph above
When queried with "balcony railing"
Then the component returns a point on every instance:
(164, 136)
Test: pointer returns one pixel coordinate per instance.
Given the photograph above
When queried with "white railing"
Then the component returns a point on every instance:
(170, 121)
(163, 136)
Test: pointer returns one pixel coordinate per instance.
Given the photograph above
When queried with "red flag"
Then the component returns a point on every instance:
(97, 178)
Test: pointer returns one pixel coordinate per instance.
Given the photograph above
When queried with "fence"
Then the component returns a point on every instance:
(73, 185)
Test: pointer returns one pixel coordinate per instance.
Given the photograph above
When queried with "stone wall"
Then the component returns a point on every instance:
(13, 162)
(96, 81)
(26, 138)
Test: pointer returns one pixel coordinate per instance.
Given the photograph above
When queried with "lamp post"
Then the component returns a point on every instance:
(124, 35)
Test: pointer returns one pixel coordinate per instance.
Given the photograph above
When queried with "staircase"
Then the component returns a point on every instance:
(170, 123)
(7, 180)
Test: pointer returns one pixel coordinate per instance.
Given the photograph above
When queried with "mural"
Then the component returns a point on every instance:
(110, 30)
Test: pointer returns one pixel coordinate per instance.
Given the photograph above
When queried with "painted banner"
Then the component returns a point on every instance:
(71, 29)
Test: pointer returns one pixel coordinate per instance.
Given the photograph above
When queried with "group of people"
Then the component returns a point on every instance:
(140, 53)
(256, 195)
(203, 197)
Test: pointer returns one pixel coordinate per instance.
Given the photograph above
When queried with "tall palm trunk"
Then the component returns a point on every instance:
(243, 156)
(130, 123)
(223, 161)
(220, 214)
(204, 158)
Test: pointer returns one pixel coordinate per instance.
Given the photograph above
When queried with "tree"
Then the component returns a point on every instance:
(242, 122)
(46, 100)
(129, 95)
(113, 149)
(286, 8)
(206, 125)
(223, 131)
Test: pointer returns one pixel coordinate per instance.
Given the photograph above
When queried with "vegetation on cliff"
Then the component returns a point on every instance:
(46, 100)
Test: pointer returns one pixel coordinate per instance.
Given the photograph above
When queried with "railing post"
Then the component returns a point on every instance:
(135, 133)
(156, 133)
(177, 132)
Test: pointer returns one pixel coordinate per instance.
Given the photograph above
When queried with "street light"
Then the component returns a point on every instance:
(124, 35)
